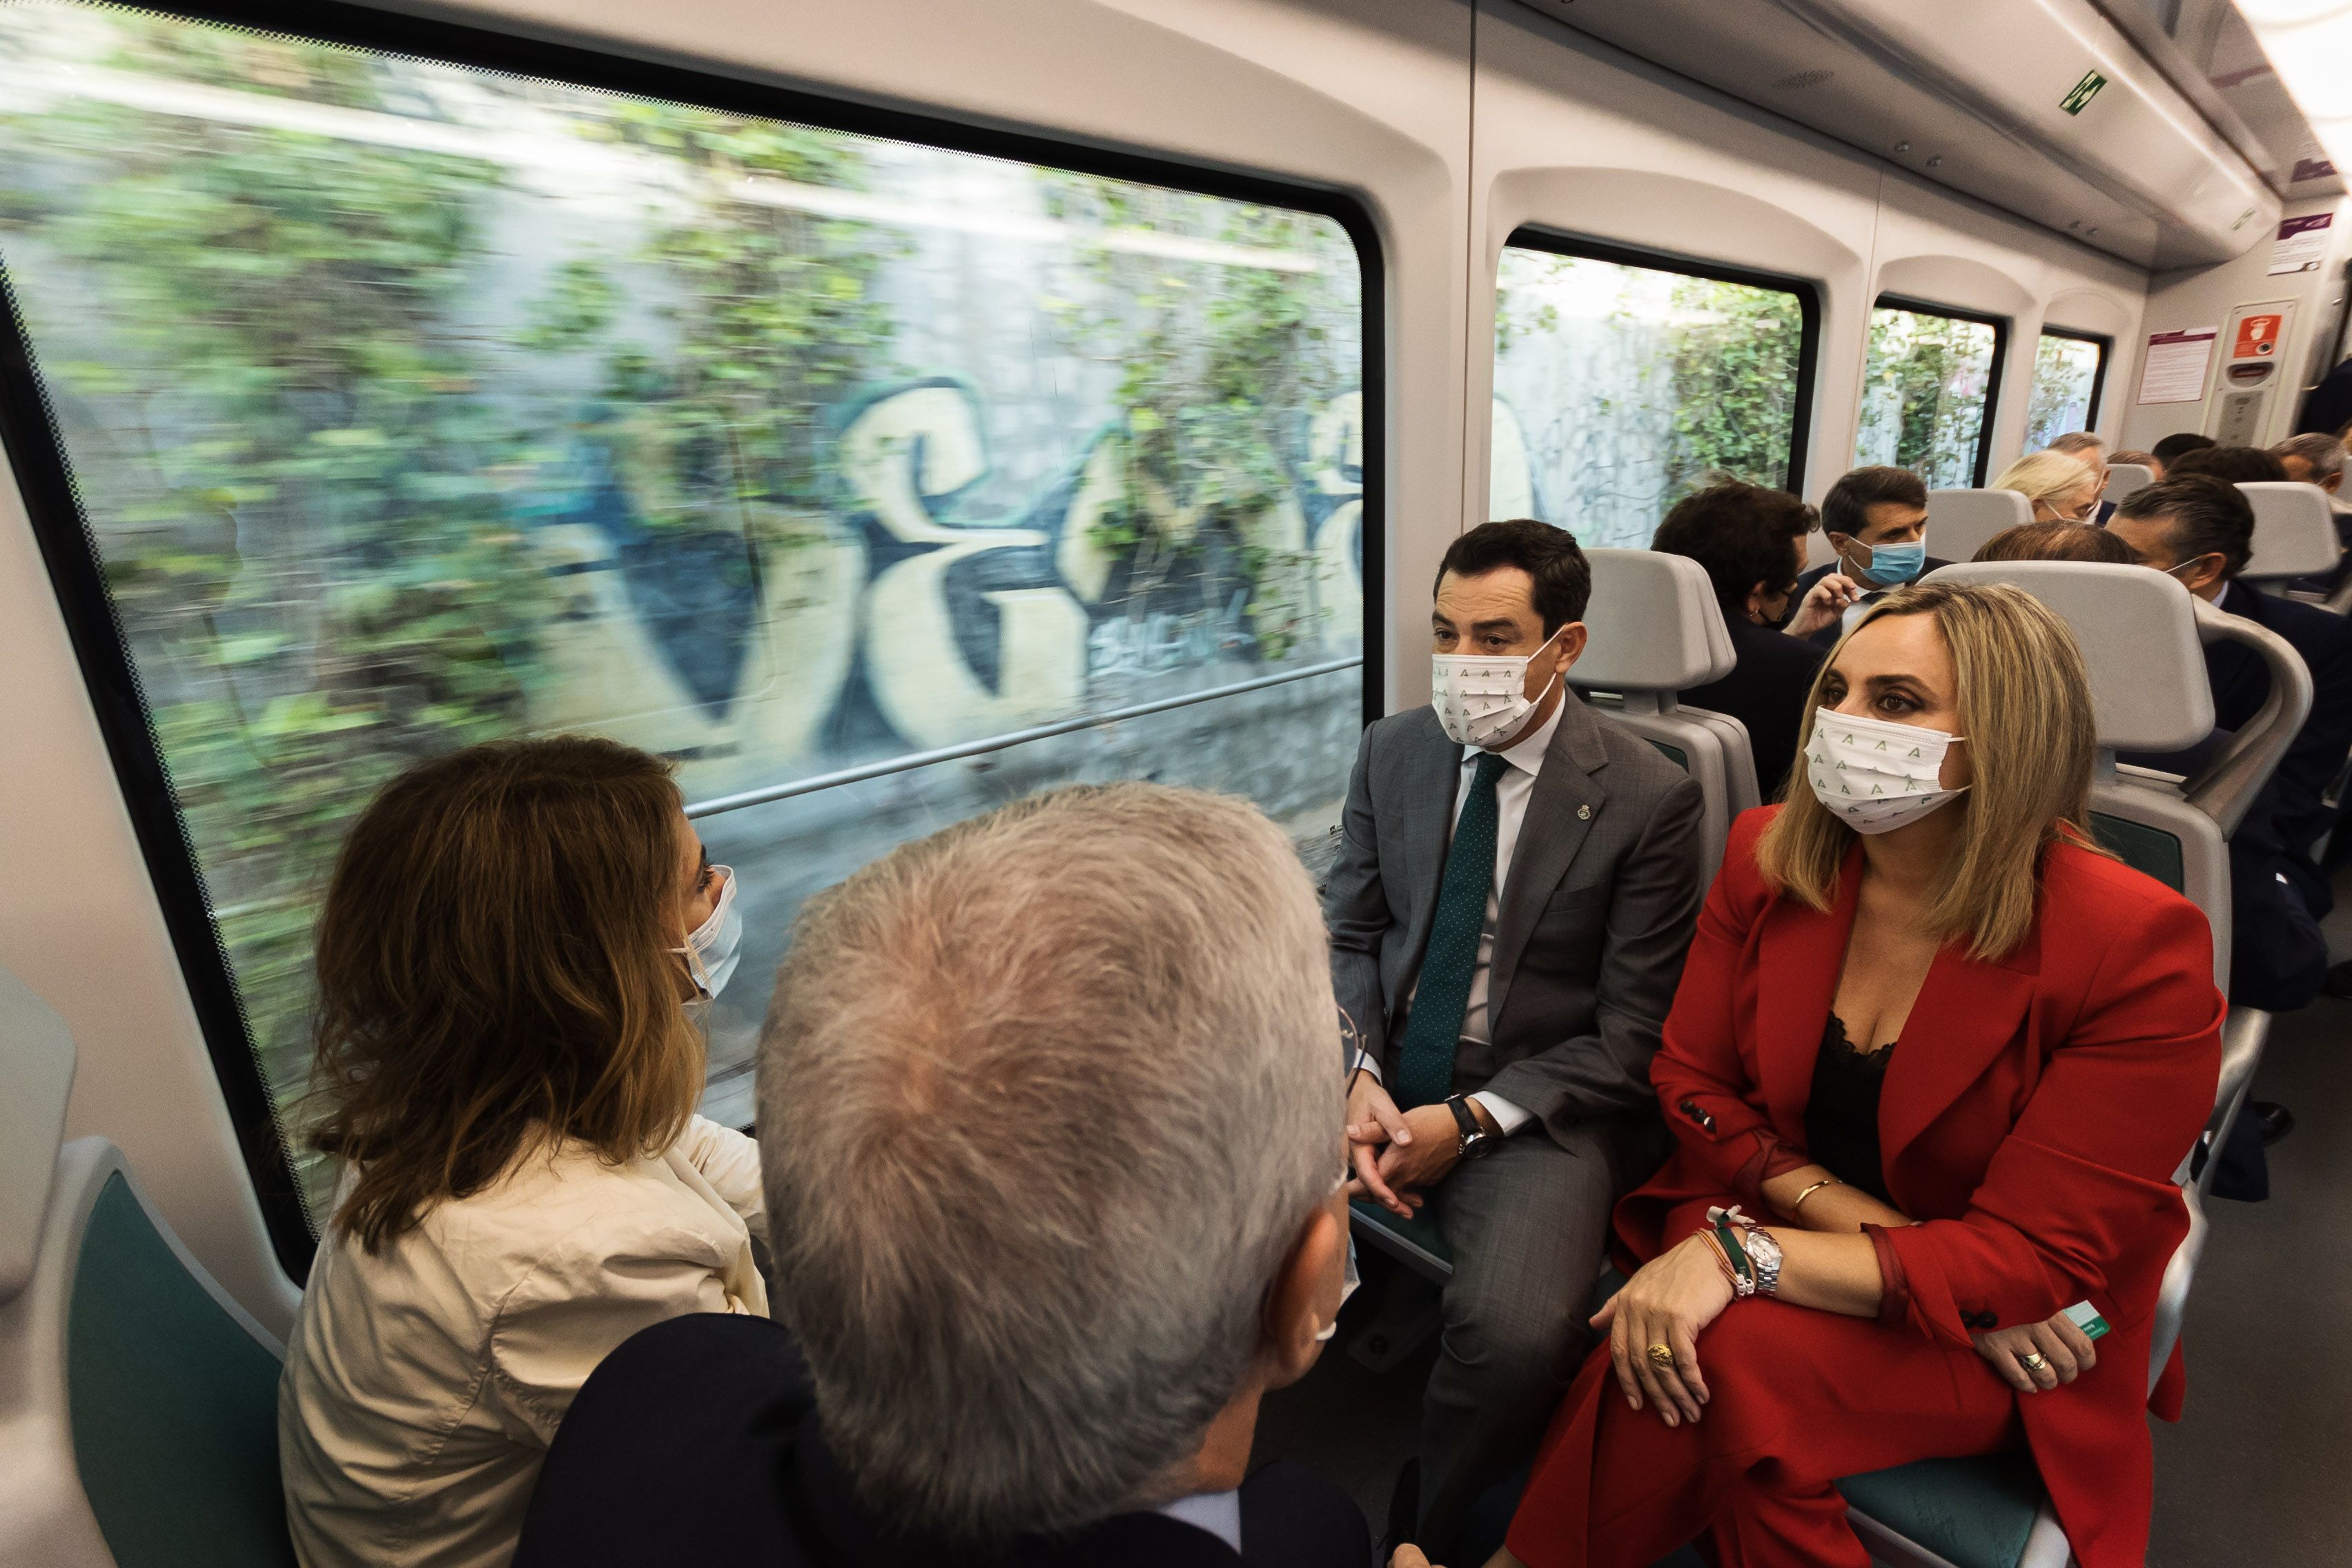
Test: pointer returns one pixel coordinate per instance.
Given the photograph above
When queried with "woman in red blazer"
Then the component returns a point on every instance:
(1946, 1057)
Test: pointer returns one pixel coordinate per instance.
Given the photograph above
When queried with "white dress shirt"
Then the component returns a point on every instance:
(1517, 781)
(426, 1379)
(1219, 1513)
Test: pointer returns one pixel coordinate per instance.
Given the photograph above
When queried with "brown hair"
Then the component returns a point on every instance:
(495, 974)
(2025, 707)
(2058, 542)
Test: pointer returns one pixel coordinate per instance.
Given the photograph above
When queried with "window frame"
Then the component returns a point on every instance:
(33, 446)
(2107, 347)
(1999, 366)
(1808, 292)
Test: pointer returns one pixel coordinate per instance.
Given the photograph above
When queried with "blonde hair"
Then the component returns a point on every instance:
(2046, 476)
(2024, 701)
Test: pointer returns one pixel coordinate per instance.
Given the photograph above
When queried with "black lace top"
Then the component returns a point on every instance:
(1842, 1118)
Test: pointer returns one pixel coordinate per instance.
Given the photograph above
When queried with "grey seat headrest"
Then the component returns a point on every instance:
(2125, 477)
(1654, 625)
(2294, 530)
(2137, 630)
(36, 1069)
(1960, 521)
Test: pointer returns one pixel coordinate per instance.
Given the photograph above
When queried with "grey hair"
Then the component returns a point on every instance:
(2324, 453)
(2075, 441)
(1046, 1098)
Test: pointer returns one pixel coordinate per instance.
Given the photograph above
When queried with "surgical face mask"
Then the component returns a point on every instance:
(1892, 565)
(1482, 699)
(1873, 775)
(1349, 1280)
(716, 945)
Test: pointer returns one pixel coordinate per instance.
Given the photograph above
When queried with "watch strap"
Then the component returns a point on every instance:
(1465, 1118)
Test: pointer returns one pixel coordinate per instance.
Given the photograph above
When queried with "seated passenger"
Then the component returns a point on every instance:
(510, 946)
(1876, 520)
(1752, 542)
(2172, 447)
(1054, 1162)
(2202, 531)
(2061, 488)
(2130, 455)
(1848, 1264)
(2328, 408)
(2091, 451)
(2058, 542)
(1513, 890)
(2231, 465)
(2319, 460)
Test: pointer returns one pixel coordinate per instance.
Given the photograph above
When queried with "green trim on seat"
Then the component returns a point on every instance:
(1975, 1513)
(1417, 1242)
(2149, 850)
(174, 1404)
(1674, 754)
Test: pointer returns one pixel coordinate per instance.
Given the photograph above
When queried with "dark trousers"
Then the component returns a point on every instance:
(1527, 1226)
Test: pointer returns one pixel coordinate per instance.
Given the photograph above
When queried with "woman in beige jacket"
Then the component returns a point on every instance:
(507, 1070)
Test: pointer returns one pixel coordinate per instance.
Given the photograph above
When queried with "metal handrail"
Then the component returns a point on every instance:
(913, 760)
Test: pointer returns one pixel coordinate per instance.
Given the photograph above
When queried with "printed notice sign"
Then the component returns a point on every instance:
(2302, 244)
(2173, 368)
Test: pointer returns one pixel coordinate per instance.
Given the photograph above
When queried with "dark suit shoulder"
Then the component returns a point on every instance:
(1775, 649)
(2316, 633)
(1412, 727)
(1292, 1517)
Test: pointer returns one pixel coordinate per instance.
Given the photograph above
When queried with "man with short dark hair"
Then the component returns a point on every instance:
(2173, 447)
(1876, 521)
(2201, 530)
(1752, 542)
(2230, 465)
(1517, 880)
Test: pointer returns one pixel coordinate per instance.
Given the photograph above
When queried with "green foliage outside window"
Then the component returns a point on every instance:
(1925, 391)
(2066, 378)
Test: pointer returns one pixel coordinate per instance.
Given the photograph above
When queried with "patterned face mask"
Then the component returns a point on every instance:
(1482, 699)
(1875, 776)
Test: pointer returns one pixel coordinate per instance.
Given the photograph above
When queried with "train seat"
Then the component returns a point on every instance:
(2142, 637)
(1960, 521)
(2125, 477)
(138, 1401)
(2295, 533)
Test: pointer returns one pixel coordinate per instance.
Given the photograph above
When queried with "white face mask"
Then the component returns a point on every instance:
(1482, 699)
(1873, 775)
(1349, 1280)
(716, 946)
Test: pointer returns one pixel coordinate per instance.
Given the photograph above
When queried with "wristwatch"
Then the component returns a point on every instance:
(1477, 1141)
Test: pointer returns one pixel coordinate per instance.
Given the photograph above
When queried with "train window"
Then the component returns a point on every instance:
(876, 471)
(1927, 391)
(2069, 372)
(1623, 380)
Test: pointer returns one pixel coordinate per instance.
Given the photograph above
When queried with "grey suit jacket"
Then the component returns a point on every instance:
(1594, 917)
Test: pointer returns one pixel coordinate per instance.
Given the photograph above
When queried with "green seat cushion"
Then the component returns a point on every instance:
(1418, 1240)
(2149, 850)
(1976, 1513)
(1674, 754)
(174, 1406)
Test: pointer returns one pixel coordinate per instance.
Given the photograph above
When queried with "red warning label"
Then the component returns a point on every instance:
(2257, 338)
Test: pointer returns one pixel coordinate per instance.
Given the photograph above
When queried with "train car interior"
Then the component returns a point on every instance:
(882, 413)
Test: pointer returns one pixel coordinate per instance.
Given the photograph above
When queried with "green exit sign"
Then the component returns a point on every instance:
(2084, 91)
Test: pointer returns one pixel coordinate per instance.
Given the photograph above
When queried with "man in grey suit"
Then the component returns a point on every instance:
(1515, 888)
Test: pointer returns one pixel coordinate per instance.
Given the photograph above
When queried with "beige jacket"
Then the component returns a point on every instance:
(425, 1382)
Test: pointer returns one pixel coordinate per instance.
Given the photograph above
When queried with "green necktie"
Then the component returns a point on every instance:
(1425, 1058)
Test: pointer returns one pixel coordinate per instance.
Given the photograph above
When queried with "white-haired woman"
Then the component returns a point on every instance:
(2061, 488)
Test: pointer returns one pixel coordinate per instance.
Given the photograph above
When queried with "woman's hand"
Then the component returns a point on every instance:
(2066, 1352)
(1673, 1297)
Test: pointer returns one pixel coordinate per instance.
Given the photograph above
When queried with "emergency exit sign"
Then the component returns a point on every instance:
(2084, 91)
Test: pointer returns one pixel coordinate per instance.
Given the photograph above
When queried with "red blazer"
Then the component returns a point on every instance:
(2031, 1124)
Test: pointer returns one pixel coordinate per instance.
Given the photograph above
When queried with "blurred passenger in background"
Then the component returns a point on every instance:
(508, 957)
(1876, 521)
(2230, 465)
(2091, 451)
(2319, 460)
(2058, 542)
(2132, 455)
(1752, 542)
(2172, 447)
(1052, 1122)
(2061, 488)
(2328, 408)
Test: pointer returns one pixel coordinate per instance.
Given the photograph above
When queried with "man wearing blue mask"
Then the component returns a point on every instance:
(1876, 521)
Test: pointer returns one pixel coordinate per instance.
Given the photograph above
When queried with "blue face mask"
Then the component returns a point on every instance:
(1892, 565)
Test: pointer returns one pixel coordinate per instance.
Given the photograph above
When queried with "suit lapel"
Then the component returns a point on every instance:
(1800, 953)
(1432, 771)
(1968, 1013)
(1561, 807)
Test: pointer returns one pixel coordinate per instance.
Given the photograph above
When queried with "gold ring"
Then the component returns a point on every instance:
(1662, 1355)
(2034, 1360)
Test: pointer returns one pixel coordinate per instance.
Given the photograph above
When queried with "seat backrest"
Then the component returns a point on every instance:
(2295, 530)
(1960, 521)
(138, 1401)
(2125, 477)
(37, 1071)
(1656, 631)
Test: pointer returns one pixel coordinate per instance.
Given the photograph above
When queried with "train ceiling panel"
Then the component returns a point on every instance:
(2042, 108)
